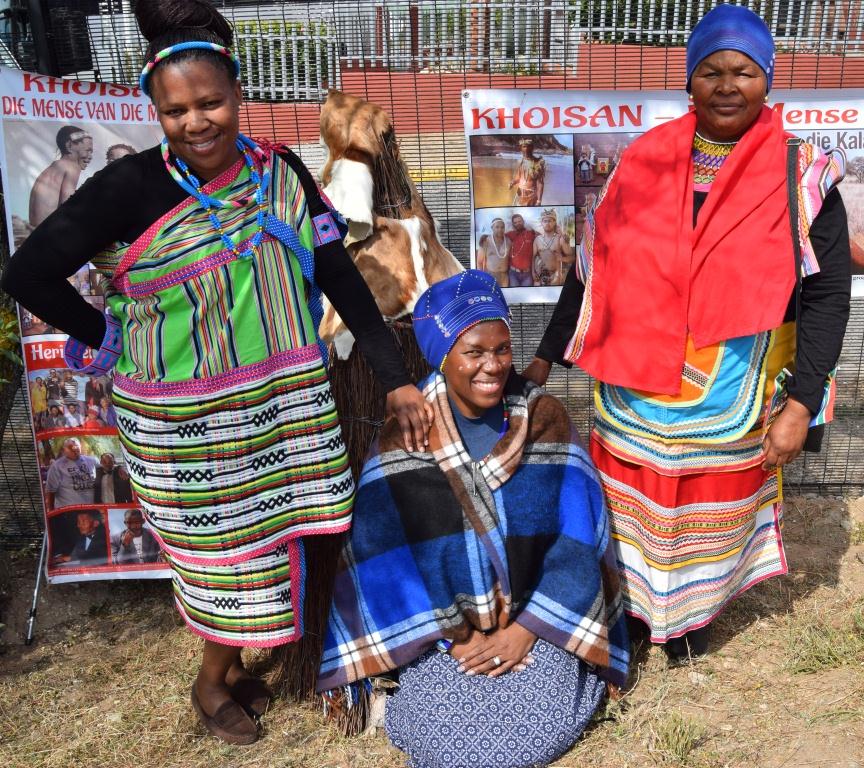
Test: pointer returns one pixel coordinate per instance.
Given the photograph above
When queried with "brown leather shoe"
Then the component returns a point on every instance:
(229, 723)
(252, 694)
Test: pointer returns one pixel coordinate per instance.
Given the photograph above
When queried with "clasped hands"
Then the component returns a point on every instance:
(495, 653)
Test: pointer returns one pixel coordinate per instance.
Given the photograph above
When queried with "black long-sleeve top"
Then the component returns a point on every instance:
(117, 205)
(824, 305)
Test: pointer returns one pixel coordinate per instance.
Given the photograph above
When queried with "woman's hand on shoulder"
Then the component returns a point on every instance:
(414, 415)
(538, 371)
(786, 436)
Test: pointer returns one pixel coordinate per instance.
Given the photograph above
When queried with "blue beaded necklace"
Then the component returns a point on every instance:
(187, 180)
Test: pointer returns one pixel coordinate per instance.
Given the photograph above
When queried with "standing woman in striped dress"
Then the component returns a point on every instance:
(683, 304)
(216, 251)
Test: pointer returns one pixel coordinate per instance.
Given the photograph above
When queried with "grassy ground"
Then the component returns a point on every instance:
(106, 684)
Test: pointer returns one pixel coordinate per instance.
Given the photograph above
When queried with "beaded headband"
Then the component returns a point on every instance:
(189, 46)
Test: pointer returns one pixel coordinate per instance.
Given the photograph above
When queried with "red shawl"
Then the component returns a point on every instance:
(653, 276)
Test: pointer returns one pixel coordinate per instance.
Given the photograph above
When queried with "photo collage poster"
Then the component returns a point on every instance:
(539, 158)
(55, 135)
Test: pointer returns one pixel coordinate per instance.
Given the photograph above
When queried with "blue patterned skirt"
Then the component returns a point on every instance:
(443, 719)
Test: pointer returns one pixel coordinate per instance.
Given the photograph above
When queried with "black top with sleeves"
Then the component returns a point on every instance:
(118, 204)
(824, 305)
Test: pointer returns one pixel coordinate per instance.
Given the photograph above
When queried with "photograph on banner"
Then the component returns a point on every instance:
(83, 468)
(78, 539)
(522, 170)
(132, 541)
(55, 404)
(597, 155)
(61, 398)
(525, 247)
(52, 159)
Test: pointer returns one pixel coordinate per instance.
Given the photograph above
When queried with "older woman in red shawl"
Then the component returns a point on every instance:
(718, 243)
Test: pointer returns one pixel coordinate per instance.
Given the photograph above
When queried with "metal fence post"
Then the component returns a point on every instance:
(46, 61)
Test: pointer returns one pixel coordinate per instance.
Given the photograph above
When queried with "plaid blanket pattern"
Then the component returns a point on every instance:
(441, 544)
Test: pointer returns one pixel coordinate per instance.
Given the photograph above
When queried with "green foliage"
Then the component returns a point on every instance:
(818, 642)
(284, 55)
(675, 739)
(10, 340)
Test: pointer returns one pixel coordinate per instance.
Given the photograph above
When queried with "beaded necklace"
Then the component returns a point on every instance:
(495, 246)
(187, 180)
(708, 157)
(506, 421)
(547, 243)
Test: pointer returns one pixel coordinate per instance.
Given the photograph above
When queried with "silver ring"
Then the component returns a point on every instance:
(497, 661)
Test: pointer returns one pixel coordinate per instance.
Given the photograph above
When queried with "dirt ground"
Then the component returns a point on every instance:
(106, 683)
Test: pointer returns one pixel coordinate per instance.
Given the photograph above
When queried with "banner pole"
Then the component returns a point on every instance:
(31, 619)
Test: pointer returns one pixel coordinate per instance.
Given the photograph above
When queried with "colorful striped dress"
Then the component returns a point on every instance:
(228, 425)
(695, 518)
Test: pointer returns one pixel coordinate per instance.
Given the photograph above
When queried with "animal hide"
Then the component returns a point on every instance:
(392, 237)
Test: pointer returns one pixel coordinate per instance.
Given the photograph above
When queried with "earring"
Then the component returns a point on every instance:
(766, 98)
(690, 97)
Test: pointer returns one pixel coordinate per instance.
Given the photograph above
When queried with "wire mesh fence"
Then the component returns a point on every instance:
(20, 505)
(416, 58)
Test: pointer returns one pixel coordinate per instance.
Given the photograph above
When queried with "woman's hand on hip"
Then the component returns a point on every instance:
(503, 650)
(786, 436)
(414, 415)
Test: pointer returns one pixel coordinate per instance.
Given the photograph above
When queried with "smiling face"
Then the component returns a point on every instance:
(135, 522)
(477, 366)
(81, 151)
(518, 222)
(728, 90)
(198, 107)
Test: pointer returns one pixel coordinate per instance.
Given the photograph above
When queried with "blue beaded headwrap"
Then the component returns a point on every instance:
(449, 308)
(189, 46)
(731, 28)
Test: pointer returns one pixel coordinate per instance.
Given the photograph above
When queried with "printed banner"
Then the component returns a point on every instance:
(539, 158)
(55, 135)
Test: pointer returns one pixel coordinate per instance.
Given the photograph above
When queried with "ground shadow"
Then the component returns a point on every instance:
(815, 537)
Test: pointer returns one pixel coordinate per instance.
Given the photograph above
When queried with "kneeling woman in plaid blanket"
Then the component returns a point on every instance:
(480, 570)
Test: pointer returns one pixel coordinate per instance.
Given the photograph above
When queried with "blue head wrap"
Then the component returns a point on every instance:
(731, 28)
(449, 308)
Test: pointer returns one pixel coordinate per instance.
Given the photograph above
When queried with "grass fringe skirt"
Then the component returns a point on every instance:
(292, 669)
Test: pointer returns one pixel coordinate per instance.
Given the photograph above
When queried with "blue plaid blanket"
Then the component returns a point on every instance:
(441, 544)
